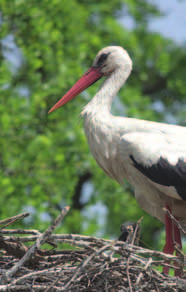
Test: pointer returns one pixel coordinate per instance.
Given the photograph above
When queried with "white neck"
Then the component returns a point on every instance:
(102, 101)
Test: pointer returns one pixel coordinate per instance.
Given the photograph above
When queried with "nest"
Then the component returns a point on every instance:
(94, 265)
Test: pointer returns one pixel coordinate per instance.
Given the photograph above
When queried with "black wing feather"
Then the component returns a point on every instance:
(165, 174)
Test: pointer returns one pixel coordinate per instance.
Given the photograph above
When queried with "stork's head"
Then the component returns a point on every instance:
(107, 61)
(111, 58)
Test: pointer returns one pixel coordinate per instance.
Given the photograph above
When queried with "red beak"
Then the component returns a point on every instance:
(91, 76)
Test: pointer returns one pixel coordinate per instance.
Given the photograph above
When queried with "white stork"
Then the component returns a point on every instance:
(150, 155)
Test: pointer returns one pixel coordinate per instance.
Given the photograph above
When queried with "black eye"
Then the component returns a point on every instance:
(102, 59)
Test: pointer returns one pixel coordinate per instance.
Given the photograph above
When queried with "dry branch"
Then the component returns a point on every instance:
(95, 265)
(13, 219)
(174, 220)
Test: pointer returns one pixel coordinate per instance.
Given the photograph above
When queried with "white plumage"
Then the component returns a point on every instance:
(150, 155)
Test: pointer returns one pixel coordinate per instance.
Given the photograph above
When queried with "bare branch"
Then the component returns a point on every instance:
(11, 220)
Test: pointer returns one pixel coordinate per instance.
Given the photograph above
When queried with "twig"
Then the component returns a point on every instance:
(19, 231)
(46, 235)
(11, 220)
(46, 272)
(174, 220)
(137, 230)
(145, 268)
(85, 263)
(41, 239)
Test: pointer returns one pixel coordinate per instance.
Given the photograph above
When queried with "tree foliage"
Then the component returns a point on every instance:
(45, 160)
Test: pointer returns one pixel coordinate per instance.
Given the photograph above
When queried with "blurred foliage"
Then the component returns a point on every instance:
(44, 158)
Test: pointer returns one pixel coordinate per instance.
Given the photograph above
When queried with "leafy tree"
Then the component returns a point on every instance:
(45, 160)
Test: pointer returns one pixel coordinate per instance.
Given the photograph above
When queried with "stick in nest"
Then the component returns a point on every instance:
(41, 239)
(13, 219)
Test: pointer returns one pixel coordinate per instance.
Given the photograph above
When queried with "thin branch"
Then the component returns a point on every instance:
(41, 239)
(174, 220)
(13, 219)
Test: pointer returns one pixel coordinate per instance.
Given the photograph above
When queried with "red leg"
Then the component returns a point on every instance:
(169, 244)
(177, 239)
